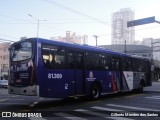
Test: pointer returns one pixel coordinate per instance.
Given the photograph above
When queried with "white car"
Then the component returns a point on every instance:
(4, 83)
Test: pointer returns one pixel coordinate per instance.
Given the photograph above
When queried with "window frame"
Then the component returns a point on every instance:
(18, 43)
(57, 64)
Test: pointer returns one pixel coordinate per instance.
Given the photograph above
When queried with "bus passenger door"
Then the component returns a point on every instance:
(116, 74)
(76, 81)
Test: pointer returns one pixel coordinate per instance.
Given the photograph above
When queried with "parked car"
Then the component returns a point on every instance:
(4, 83)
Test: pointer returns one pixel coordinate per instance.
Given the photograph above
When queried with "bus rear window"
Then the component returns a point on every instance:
(21, 51)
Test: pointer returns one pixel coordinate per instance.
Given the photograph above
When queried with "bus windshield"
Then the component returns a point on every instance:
(21, 51)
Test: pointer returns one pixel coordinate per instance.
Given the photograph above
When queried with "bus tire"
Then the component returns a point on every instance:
(95, 91)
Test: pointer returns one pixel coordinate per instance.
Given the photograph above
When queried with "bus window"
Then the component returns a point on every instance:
(105, 62)
(115, 63)
(21, 51)
(75, 59)
(143, 66)
(53, 56)
(92, 61)
(71, 60)
(136, 65)
(79, 61)
(127, 64)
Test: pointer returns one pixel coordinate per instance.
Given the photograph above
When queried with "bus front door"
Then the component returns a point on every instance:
(76, 68)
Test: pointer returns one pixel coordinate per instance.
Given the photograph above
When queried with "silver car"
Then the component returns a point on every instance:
(4, 83)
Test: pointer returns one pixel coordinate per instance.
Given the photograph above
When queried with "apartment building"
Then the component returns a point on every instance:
(4, 59)
(120, 33)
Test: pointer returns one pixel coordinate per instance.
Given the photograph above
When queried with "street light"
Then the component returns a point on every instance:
(38, 20)
(95, 38)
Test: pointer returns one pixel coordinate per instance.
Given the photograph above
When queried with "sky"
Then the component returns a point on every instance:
(19, 18)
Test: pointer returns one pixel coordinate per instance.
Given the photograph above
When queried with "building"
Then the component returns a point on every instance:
(138, 50)
(4, 59)
(155, 45)
(72, 38)
(147, 42)
(120, 32)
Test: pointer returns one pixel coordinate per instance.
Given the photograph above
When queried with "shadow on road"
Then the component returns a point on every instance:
(47, 103)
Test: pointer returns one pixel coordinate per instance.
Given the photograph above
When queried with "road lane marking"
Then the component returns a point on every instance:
(16, 96)
(3, 100)
(134, 95)
(101, 115)
(153, 97)
(105, 109)
(36, 102)
(15, 99)
(131, 107)
(68, 116)
(91, 112)
(38, 118)
(33, 104)
(119, 118)
(156, 96)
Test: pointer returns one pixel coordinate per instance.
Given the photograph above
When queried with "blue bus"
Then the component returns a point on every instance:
(54, 69)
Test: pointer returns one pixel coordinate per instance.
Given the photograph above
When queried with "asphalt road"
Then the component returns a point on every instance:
(122, 106)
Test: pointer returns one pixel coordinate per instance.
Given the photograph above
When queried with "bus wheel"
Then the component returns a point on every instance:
(95, 92)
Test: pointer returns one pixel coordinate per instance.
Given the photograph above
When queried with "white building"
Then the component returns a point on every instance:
(120, 32)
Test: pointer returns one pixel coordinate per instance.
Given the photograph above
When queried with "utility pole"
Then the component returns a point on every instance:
(84, 39)
(125, 50)
(95, 38)
(38, 20)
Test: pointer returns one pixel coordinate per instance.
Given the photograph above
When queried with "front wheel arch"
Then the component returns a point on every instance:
(95, 91)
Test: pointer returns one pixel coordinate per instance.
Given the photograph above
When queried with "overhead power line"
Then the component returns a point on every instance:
(4, 40)
(9, 36)
(14, 18)
(75, 11)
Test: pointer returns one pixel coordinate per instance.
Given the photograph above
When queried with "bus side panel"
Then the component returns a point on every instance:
(127, 80)
(124, 83)
(137, 77)
(116, 81)
(80, 85)
(104, 78)
(54, 83)
(107, 81)
(57, 83)
(71, 82)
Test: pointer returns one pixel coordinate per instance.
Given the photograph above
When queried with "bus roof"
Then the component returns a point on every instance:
(82, 47)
